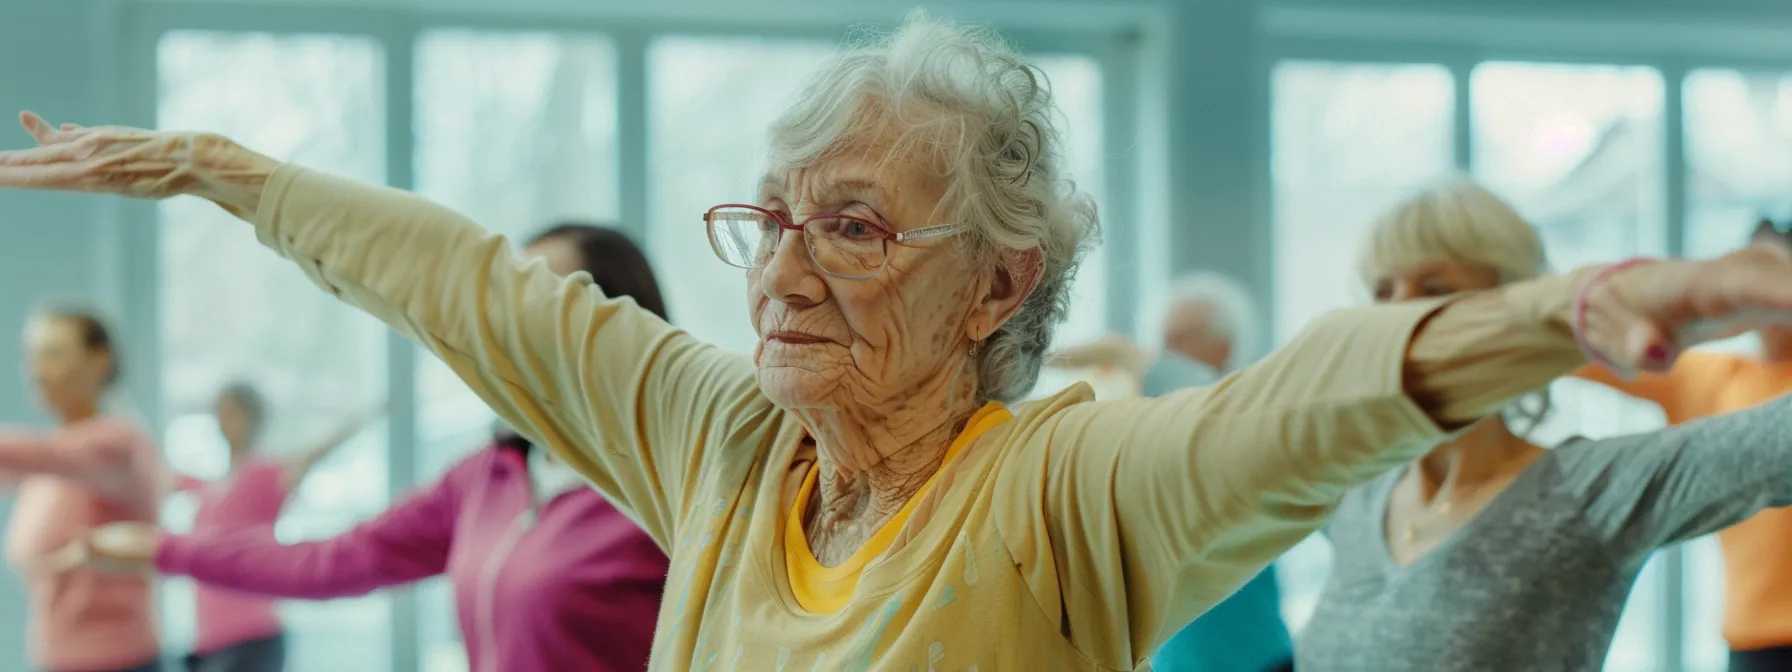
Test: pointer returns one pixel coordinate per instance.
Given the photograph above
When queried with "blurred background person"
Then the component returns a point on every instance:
(95, 468)
(547, 574)
(240, 632)
(1757, 553)
(1210, 329)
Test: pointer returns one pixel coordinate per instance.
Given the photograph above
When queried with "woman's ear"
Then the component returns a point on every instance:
(1008, 287)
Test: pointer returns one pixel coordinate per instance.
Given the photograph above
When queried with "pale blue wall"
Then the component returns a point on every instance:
(49, 245)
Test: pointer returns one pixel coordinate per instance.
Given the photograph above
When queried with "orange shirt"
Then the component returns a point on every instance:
(1758, 551)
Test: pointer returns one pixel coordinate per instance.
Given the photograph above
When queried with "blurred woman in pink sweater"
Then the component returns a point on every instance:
(547, 574)
(91, 470)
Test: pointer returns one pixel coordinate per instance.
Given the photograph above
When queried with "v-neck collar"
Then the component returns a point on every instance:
(1383, 501)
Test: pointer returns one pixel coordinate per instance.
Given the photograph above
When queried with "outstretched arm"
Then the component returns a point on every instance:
(410, 541)
(1650, 490)
(1149, 511)
(617, 393)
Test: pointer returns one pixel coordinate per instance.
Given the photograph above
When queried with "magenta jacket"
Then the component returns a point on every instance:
(571, 585)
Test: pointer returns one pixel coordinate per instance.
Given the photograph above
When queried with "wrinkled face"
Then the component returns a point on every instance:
(66, 374)
(830, 342)
(1438, 278)
(1189, 331)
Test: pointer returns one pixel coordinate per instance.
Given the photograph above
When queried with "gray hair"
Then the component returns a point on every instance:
(1234, 314)
(965, 102)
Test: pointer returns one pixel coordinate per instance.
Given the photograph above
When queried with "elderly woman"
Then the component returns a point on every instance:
(1490, 552)
(854, 494)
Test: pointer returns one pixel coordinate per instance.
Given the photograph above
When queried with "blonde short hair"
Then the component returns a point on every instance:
(1458, 221)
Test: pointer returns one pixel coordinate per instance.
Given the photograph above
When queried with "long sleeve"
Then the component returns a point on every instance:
(1172, 503)
(409, 542)
(1650, 490)
(617, 393)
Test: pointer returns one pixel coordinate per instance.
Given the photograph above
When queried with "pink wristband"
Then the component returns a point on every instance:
(1580, 306)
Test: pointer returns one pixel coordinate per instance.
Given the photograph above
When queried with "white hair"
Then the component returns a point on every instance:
(965, 104)
(1234, 315)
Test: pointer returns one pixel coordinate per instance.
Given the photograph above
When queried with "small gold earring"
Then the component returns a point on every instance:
(975, 346)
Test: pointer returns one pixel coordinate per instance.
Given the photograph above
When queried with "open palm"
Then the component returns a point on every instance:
(134, 162)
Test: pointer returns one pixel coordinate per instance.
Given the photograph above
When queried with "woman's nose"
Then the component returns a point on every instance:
(789, 275)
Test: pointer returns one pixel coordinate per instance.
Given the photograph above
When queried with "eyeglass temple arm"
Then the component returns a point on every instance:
(929, 232)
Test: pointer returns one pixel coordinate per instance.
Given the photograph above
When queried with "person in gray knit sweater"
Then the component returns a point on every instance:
(1490, 552)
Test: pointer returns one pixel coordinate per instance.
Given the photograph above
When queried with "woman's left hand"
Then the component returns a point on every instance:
(137, 163)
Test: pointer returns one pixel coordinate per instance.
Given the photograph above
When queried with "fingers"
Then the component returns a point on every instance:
(1651, 348)
(35, 125)
(46, 134)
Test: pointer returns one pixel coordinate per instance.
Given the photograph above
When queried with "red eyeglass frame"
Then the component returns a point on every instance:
(784, 223)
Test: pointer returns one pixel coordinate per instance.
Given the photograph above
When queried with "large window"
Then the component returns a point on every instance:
(234, 310)
(518, 132)
(1348, 140)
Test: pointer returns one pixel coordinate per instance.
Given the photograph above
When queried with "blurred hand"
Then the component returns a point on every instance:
(1110, 352)
(137, 163)
(1642, 317)
(117, 548)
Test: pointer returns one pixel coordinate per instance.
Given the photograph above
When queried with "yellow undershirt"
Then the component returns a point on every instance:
(825, 590)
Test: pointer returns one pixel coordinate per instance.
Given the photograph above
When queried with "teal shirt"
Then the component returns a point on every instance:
(1245, 633)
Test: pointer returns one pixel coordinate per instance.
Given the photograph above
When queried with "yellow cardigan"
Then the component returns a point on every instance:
(1077, 536)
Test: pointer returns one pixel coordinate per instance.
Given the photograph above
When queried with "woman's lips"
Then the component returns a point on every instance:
(795, 338)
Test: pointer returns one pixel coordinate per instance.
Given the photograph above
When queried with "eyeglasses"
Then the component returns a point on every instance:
(843, 246)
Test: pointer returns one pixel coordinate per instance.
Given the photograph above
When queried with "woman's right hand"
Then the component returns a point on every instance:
(138, 163)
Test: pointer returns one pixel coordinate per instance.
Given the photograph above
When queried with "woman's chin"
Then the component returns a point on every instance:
(792, 387)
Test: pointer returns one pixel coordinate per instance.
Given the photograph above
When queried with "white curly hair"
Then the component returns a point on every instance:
(964, 100)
